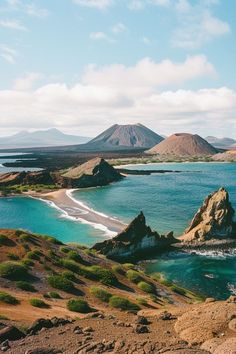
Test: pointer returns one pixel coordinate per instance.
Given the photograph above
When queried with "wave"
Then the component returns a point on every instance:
(231, 288)
(69, 194)
(214, 253)
(65, 214)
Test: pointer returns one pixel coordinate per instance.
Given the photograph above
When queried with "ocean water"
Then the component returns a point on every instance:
(169, 201)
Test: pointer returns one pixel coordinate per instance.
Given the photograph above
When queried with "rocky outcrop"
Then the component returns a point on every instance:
(214, 220)
(96, 172)
(136, 240)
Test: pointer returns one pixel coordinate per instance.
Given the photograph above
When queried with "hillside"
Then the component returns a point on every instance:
(40, 138)
(57, 298)
(183, 144)
(125, 136)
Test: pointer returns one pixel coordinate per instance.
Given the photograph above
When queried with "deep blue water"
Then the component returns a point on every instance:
(168, 200)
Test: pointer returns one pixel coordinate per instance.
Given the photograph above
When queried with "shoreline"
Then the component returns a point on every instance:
(72, 208)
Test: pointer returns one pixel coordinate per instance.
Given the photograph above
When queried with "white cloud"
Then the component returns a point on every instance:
(27, 82)
(8, 54)
(30, 9)
(148, 73)
(146, 40)
(119, 28)
(115, 93)
(136, 4)
(197, 24)
(160, 2)
(12, 24)
(98, 4)
(100, 36)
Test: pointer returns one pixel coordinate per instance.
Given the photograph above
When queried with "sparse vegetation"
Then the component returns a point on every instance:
(146, 287)
(142, 301)
(34, 254)
(104, 275)
(128, 265)
(54, 295)
(13, 257)
(61, 283)
(3, 317)
(118, 269)
(134, 276)
(38, 303)
(100, 293)
(123, 304)
(8, 299)
(78, 305)
(73, 255)
(178, 290)
(24, 285)
(3, 240)
(27, 262)
(13, 270)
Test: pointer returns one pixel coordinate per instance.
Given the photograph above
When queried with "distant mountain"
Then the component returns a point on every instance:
(222, 143)
(183, 144)
(40, 138)
(125, 136)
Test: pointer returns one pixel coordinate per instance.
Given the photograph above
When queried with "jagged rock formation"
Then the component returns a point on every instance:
(214, 220)
(183, 144)
(129, 136)
(136, 240)
(96, 172)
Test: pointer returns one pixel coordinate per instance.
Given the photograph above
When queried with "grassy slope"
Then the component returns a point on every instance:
(44, 257)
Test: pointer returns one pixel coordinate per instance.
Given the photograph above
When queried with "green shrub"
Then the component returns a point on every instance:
(13, 270)
(178, 290)
(78, 305)
(141, 301)
(61, 283)
(71, 265)
(69, 275)
(146, 287)
(8, 299)
(100, 294)
(35, 255)
(105, 276)
(54, 295)
(64, 249)
(118, 269)
(25, 237)
(128, 265)
(52, 240)
(123, 304)
(38, 303)
(134, 276)
(4, 240)
(3, 317)
(24, 285)
(73, 255)
(27, 262)
(13, 257)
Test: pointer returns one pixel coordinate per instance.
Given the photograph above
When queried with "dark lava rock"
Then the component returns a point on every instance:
(10, 333)
(38, 325)
(141, 329)
(141, 320)
(60, 321)
(135, 240)
(166, 316)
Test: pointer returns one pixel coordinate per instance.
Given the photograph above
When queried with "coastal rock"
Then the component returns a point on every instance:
(137, 239)
(214, 220)
(95, 172)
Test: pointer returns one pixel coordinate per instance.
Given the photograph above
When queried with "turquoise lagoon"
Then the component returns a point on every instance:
(168, 201)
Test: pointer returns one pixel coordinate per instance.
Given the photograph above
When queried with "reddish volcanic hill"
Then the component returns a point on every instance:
(183, 144)
(129, 136)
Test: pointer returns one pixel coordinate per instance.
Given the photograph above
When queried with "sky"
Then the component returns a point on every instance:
(83, 65)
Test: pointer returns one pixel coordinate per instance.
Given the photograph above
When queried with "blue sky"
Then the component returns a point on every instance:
(82, 65)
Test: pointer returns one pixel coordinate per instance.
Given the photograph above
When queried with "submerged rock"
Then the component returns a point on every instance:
(214, 220)
(137, 239)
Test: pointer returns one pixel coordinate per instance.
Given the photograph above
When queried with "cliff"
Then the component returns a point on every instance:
(214, 219)
(136, 240)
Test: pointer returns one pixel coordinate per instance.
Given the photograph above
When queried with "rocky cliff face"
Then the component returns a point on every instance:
(24, 178)
(214, 220)
(136, 240)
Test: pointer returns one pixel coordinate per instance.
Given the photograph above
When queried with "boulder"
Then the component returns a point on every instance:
(8, 332)
(137, 239)
(214, 219)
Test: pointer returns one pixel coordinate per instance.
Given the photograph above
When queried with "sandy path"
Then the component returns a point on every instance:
(64, 201)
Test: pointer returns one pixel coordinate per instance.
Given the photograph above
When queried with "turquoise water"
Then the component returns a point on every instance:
(36, 216)
(168, 201)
